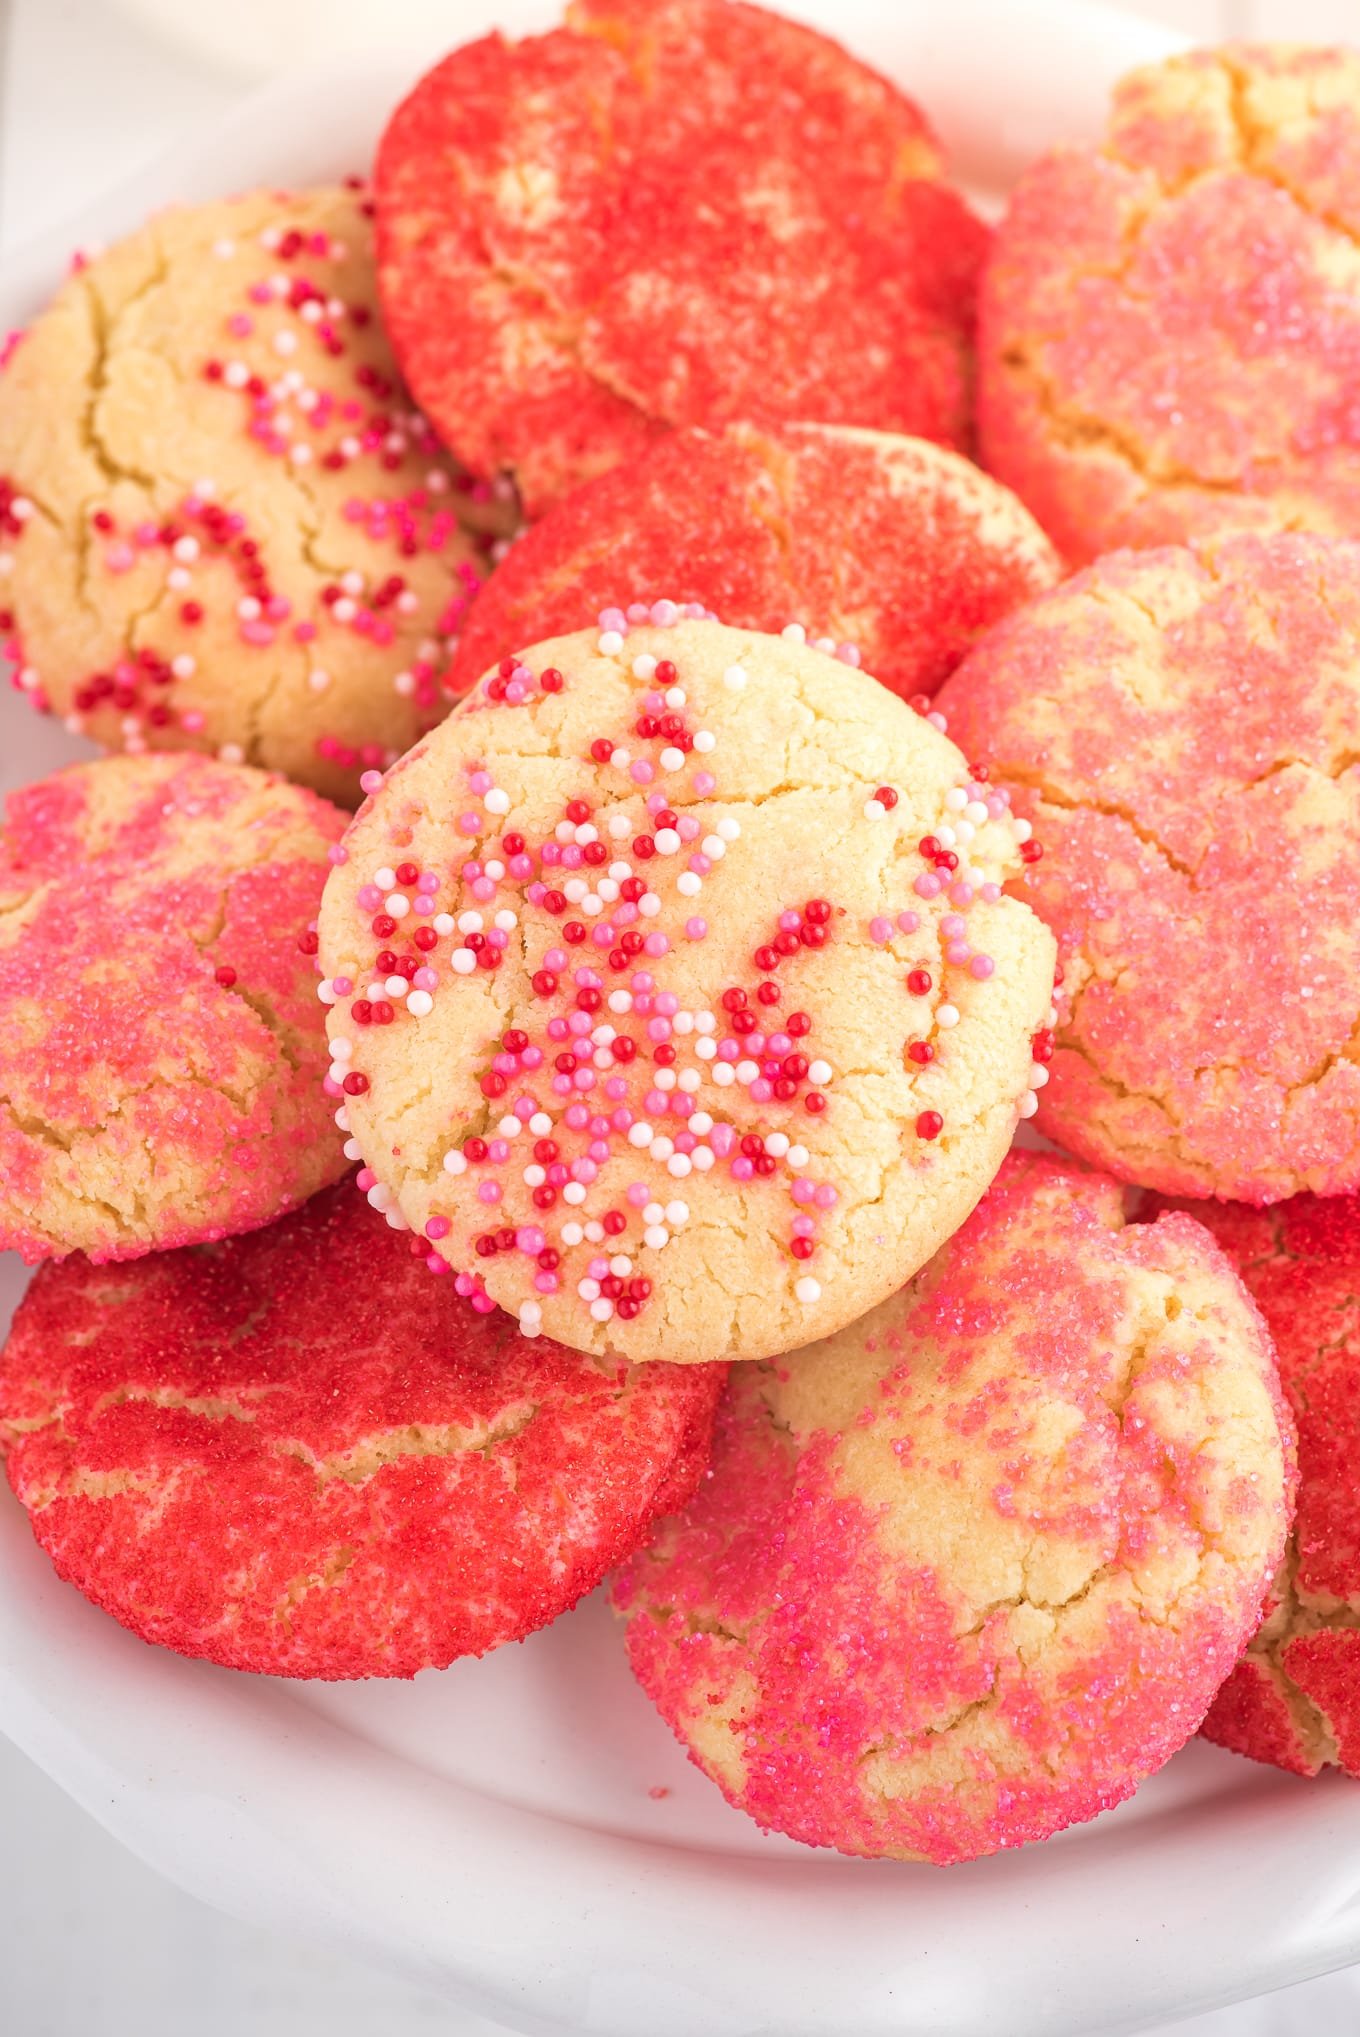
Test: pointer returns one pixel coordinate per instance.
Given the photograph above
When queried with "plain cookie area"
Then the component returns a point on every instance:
(1183, 728)
(967, 1572)
(1133, 392)
(661, 1008)
(661, 216)
(890, 546)
(163, 1051)
(223, 526)
(1294, 1698)
(297, 1453)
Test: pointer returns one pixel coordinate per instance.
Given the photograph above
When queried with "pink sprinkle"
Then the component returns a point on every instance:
(682, 1103)
(370, 781)
(436, 1264)
(525, 1106)
(789, 922)
(927, 886)
(489, 1191)
(825, 1196)
(330, 1087)
(907, 922)
(437, 1227)
(990, 893)
(561, 1085)
(584, 1170)
(654, 1102)
(532, 1057)
(342, 985)
(498, 1151)
(483, 890)
(529, 1238)
(761, 1092)
(687, 827)
(728, 1050)
(961, 894)
(480, 782)
(641, 772)
(555, 959)
(685, 1142)
(803, 1190)
(368, 898)
(639, 1194)
(578, 1117)
(779, 1043)
(259, 633)
(483, 1303)
(803, 1227)
(880, 929)
(615, 1089)
(598, 1148)
(305, 632)
(696, 929)
(119, 558)
(722, 1138)
(546, 1283)
(704, 783)
(958, 952)
(558, 1029)
(365, 1179)
(656, 945)
(742, 1169)
(982, 966)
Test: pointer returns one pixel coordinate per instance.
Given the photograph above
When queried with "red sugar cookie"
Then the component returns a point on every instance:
(892, 545)
(161, 1045)
(1183, 727)
(1294, 1698)
(969, 1570)
(1133, 391)
(668, 213)
(298, 1453)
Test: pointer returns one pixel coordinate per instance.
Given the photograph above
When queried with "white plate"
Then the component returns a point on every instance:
(522, 1832)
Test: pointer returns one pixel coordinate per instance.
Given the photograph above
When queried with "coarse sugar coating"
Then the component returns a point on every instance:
(668, 213)
(1183, 728)
(223, 526)
(968, 1571)
(673, 992)
(1132, 389)
(163, 1053)
(892, 546)
(1294, 1698)
(298, 1453)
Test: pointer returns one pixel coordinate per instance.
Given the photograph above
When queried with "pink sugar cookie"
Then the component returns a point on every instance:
(1134, 389)
(968, 1571)
(1182, 727)
(1294, 1698)
(161, 1045)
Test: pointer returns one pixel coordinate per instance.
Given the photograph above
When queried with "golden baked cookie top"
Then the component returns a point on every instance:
(223, 525)
(675, 998)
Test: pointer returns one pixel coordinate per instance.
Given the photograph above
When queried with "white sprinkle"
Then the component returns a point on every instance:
(468, 922)
(776, 1143)
(591, 905)
(671, 759)
(443, 923)
(644, 665)
(619, 826)
(506, 920)
(341, 1048)
(352, 1150)
(462, 961)
(661, 1147)
(385, 878)
(703, 1156)
(976, 812)
(344, 610)
(178, 578)
(602, 1309)
(496, 870)
(714, 847)
(676, 696)
(621, 758)
(300, 455)
(722, 1074)
(594, 1232)
(683, 1022)
(747, 1071)
(248, 608)
(734, 678)
(342, 1118)
(497, 801)
(396, 987)
(956, 799)
(620, 1265)
(508, 1128)
(1023, 830)
(184, 666)
(232, 753)
(610, 644)
(620, 1000)
(729, 829)
(679, 1165)
(224, 249)
(946, 837)
(704, 741)
(677, 1213)
(797, 1156)
(649, 905)
(689, 1080)
(285, 342)
(656, 1235)
(236, 374)
(819, 1072)
(420, 1003)
(947, 1015)
(574, 1192)
(640, 1134)
(808, 1290)
(398, 904)
(667, 841)
(653, 1213)
(664, 1078)
(185, 550)
(794, 632)
(1029, 1103)
(705, 1022)
(1038, 1075)
(874, 809)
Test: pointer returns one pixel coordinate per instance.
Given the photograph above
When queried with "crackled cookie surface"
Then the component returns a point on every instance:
(1294, 1698)
(891, 546)
(161, 1053)
(1184, 730)
(222, 524)
(674, 998)
(1133, 391)
(298, 1453)
(668, 215)
(968, 1571)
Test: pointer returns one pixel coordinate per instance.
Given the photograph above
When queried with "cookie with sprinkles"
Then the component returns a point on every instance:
(223, 525)
(1183, 728)
(161, 1055)
(297, 1453)
(668, 213)
(1135, 393)
(673, 995)
(1294, 1698)
(967, 1572)
(891, 549)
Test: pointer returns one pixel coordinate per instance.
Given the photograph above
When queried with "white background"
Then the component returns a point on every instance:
(91, 1943)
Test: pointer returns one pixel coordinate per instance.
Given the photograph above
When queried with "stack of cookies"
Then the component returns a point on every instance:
(598, 1152)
